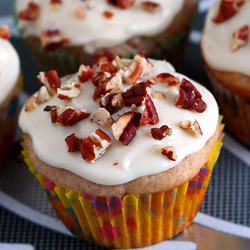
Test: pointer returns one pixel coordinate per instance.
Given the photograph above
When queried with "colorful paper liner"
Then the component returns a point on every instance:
(235, 109)
(8, 117)
(133, 220)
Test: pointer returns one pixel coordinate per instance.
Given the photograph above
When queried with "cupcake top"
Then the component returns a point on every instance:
(94, 23)
(9, 64)
(225, 43)
(118, 119)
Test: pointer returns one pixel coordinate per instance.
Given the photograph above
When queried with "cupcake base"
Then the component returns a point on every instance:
(133, 220)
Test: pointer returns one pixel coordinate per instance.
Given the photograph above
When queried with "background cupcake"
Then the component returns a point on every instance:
(9, 89)
(131, 161)
(225, 47)
(61, 33)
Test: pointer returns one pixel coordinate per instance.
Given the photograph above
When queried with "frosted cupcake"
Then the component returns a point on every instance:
(62, 33)
(225, 49)
(9, 88)
(123, 149)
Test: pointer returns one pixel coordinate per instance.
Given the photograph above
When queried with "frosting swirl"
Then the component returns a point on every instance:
(120, 163)
(95, 30)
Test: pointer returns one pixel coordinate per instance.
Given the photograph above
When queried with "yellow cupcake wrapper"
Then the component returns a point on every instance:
(134, 220)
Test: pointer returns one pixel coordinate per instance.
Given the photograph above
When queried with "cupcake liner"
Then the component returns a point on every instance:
(235, 109)
(133, 220)
(8, 117)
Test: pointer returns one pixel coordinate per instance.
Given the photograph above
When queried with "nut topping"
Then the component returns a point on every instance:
(227, 9)
(149, 115)
(132, 73)
(124, 4)
(42, 95)
(125, 128)
(31, 13)
(85, 73)
(68, 93)
(108, 14)
(79, 13)
(74, 142)
(4, 32)
(167, 78)
(158, 95)
(66, 115)
(190, 98)
(169, 152)
(160, 133)
(30, 105)
(147, 65)
(150, 6)
(50, 80)
(102, 117)
(193, 129)
(111, 102)
(108, 67)
(240, 37)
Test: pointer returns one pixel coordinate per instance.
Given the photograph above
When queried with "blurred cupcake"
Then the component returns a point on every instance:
(225, 49)
(61, 33)
(9, 89)
(124, 150)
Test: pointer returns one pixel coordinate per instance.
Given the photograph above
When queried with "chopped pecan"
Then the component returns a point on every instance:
(68, 93)
(31, 13)
(125, 128)
(50, 80)
(66, 115)
(132, 73)
(42, 95)
(111, 102)
(74, 142)
(193, 129)
(151, 6)
(190, 98)
(55, 4)
(169, 152)
(108, 67)
(158, 95)
(79, 13)
(125, 4)
(95, 146)
(4, 32)
(55, 1)
(53, 39)
(108, 14)
(240, 37)
(99, 78)
(120, 63)
(102, 117)
(160, 133)
(227, 9)
(30, 104)
(149, 115)
(85, 73)
(167, 78)
(137, 94)
(145, 63)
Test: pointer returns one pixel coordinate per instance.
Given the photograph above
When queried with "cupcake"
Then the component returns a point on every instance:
(9, 88)
(225, 49)
(124, 149)
(61, 33)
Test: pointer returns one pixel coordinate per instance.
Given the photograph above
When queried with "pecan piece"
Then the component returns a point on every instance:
(30, 105)
(160, 133)
(158, 95)
(53, 39)
(137, 94)
(99, 78)
(111, 102)
(120, 63)
(85, 73)
(192, 128)
(125, 4)
(149, 115)
(69, 93)
(42, 95)
(31, 13)
(95, 146)
(79, 13)
(74, 142)
(190, 98)
(108, 67)
(145, 63)
(151, 6)
(169, 152)
(227, 9)
(50, 80)
(167, 78)
(132, 73)
(125, 128)
(108, 14)
(102, 117)
(4, 32)
(240, 37)
(66, 115)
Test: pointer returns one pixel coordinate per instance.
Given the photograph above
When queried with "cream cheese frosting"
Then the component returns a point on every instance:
(216, 38)
(9, 68)
(94, 30)
(120, 163)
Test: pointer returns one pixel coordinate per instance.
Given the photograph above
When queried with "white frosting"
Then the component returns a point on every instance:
(216, 38)
(94, 30)
(142, 156)
(9, 68)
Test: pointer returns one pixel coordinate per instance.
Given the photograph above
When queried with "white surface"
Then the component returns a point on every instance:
(9, 246)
